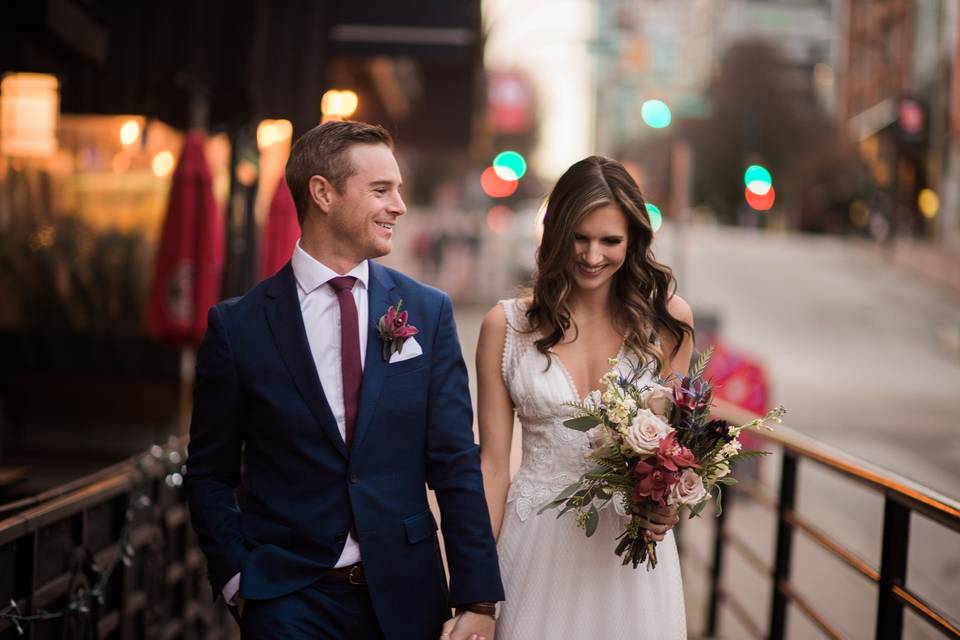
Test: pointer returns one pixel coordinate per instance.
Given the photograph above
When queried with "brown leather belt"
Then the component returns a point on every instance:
(352, 574)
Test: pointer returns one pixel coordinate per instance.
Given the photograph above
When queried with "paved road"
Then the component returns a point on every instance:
(850, 344)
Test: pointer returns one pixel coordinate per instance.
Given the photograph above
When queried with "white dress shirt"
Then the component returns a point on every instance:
(321, 315)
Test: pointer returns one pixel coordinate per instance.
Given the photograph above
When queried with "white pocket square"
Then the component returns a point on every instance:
(411, 349)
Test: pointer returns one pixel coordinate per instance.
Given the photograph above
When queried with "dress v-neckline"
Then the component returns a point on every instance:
(572, 383)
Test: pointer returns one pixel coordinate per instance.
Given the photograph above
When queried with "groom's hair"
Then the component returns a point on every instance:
(323, 151)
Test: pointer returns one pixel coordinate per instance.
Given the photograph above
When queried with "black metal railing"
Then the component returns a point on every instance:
(114, 556)
(902, 499)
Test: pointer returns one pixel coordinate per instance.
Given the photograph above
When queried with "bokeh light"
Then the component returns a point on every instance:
(760, 202)
(163, 164)
(656, 114)
(859, 213)
(270, 132)
(756, 173)
(500, 219)
(495, 186)
(339, 104)
(759, 187)
(656, 217)
(129, 132)
(510, 165)
(929, 203)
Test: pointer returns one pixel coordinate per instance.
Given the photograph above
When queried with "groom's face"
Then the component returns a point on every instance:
(366, 209)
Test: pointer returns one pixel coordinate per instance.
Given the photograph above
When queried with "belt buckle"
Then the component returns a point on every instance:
(355, 577)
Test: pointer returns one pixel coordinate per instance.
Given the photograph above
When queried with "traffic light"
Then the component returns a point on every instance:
(760, 202)
(759, 192)
(656, 114)
(510, 165)
(495, 186)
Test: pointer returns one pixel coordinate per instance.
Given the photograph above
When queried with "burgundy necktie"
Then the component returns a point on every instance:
(349, 352)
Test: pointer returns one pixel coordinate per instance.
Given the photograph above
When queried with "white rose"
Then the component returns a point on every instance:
(688, 489)
(645, 432)
(600, 441)
(658, 399)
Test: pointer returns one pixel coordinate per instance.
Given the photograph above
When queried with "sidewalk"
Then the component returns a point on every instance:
(940, 265)
(934, 262)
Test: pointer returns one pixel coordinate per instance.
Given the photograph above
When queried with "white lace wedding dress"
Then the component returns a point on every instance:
(558, 582)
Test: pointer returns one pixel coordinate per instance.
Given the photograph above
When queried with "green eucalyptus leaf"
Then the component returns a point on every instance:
(697, 508)
(583, 423)
(593, 519)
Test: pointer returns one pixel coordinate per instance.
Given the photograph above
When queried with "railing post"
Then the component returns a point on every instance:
(893, 569)
(781, 567)
(716, 569)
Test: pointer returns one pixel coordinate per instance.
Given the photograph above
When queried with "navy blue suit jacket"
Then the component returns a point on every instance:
(259, 407)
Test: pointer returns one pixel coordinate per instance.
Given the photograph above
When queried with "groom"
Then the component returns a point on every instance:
(333, 392)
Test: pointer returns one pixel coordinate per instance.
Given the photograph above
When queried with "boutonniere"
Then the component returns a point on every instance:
(394, 330)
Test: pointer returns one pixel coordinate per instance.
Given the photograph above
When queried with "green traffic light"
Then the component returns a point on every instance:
(509, 165)
(656, 218)
(756, 173)
(656, 114)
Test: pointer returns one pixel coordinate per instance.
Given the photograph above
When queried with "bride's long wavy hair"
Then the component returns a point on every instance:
(641, 287)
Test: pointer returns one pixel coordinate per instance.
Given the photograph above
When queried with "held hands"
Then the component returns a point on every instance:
(656, 520)
(469, 626)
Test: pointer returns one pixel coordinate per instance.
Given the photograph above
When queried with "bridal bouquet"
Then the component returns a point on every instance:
(652, 443)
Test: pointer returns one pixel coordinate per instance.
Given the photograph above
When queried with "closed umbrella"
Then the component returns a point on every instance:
(280, 233)
(186, 277)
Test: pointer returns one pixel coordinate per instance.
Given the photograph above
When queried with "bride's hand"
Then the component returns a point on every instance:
(656, 520)
(468, 626)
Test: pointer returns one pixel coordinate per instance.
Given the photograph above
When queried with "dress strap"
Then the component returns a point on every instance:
(511, 344)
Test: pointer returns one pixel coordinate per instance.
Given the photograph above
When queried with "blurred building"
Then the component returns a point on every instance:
(668, 51)
(899, 64)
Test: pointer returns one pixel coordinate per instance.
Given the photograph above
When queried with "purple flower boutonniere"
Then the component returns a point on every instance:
(394, 330)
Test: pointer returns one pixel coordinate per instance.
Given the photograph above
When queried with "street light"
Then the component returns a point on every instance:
(338, 104)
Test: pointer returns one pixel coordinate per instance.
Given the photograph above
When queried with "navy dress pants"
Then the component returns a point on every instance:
(329, 609)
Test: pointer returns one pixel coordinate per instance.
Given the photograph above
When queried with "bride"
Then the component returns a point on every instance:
(597, 293)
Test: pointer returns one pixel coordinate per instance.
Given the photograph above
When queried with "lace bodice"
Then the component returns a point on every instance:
(553, 455)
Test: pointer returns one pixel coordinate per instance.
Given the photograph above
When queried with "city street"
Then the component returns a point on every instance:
(850, 345)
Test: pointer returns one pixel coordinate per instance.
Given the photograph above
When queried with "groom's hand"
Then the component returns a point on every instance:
(656, 520)
(469, 626)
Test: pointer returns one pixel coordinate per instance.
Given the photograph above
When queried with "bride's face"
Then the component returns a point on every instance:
(600, 247)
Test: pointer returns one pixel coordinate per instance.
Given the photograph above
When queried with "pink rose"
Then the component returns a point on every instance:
(688, 489)
(674, 456)
(658, 399)
(645, 433)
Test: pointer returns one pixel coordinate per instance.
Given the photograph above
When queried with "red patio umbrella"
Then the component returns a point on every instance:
(280, 233)
(186, 277)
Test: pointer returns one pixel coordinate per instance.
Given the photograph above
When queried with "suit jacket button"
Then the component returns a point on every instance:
(340, 539)
(354, 478)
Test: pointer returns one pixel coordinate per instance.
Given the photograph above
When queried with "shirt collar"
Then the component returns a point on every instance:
(311, 273)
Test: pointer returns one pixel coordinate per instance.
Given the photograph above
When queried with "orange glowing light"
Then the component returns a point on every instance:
(500, 218)
(760, 202)
(495, 186)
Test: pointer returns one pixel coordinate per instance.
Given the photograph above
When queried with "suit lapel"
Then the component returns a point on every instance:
(290, 336)
(381, 296)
